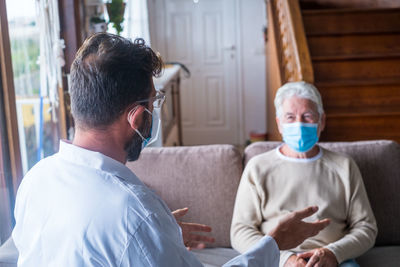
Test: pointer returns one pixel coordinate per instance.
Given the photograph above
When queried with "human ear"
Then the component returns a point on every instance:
(322, 124)
(279, 125)
(135, 116)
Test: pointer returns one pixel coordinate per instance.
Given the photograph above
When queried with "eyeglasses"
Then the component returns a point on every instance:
(158, 99)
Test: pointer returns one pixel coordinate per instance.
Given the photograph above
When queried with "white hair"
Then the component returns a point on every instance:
(300, 90)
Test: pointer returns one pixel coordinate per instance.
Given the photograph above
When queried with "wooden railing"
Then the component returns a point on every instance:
(290, 41)
(288, 56)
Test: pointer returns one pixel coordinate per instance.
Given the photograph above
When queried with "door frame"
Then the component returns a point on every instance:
(157, 17)
(240, 79)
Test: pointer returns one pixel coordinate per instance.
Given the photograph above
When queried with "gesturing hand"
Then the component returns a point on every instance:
(191, 239)
(292, 230)
(319, 257)
(295, 261)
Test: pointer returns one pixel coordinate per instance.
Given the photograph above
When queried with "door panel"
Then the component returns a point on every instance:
(202, 36)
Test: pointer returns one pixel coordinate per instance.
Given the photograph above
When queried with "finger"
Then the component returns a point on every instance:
(180, 212)
(306, 255)
(302, 262)
(313, 228)
(201, 238)
(197, 245)
(301, 214)
(196, 227)
(320, 224)
(313, 260)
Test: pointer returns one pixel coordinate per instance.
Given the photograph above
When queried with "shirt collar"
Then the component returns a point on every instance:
(96, 160)
(316, 157)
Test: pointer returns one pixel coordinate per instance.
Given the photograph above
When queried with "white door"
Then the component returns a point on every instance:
(202, 35)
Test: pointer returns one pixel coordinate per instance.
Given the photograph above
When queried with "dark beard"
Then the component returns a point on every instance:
(134, 147)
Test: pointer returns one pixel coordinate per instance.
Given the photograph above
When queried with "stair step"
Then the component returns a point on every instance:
(351, 21)
(363, 98)
(354, 45)
(356, 56)
(336, 4)
(365, 126)
(362, 115)
(356, 69)
(359, 82)
(349, 10)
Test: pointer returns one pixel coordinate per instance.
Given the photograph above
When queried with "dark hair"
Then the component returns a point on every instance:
(109, 74)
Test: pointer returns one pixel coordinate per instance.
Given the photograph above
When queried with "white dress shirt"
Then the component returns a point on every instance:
(82, 208)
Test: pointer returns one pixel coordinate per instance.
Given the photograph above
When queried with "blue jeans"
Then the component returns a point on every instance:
(349, 263)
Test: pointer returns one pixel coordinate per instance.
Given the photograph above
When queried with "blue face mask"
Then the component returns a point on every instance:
(154, 128)
(301, 137)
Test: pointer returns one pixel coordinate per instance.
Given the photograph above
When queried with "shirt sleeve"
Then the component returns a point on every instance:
(362, 225)
(247, 217)
(158, 242)
(264, 253)
(151, 247)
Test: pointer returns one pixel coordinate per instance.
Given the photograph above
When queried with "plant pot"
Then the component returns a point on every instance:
(98, 27)
(116, 15)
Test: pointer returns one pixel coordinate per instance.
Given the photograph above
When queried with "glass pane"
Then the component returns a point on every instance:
(5, 181)
(38, 135)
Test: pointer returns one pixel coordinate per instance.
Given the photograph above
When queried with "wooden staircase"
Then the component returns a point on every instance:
(355, 57)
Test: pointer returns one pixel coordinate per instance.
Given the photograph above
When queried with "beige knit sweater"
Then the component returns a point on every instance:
(273, 185)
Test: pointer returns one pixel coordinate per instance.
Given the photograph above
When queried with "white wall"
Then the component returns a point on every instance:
(253, 18)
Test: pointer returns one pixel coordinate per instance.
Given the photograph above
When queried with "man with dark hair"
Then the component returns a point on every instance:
(84, 207)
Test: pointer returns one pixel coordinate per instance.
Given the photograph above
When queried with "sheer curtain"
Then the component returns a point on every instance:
(137, 20)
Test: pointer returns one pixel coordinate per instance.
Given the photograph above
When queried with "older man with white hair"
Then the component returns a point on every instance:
(300, 173)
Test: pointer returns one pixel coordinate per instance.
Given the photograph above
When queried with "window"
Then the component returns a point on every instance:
(31, 125)
(38, 134)
(5, 184)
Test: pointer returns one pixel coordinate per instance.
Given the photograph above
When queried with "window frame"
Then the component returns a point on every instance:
(10, 112)
(70, 22)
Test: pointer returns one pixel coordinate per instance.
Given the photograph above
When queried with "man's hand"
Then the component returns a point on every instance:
(295, 261)
(190, 239)
(292, 230)
(319, 257)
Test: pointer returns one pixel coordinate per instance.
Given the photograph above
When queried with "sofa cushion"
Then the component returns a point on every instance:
(377, 256)
(203, 178)
(379, 163)
(215, 257)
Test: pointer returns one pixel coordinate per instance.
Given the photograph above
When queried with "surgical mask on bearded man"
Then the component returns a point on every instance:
(151, 130)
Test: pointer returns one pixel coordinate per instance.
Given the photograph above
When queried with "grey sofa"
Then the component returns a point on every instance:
(206, 178)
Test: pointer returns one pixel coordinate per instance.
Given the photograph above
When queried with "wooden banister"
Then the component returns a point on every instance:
(288, 56)
(293, 53)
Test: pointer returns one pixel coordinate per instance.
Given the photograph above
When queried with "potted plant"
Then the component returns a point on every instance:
(116, 10)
